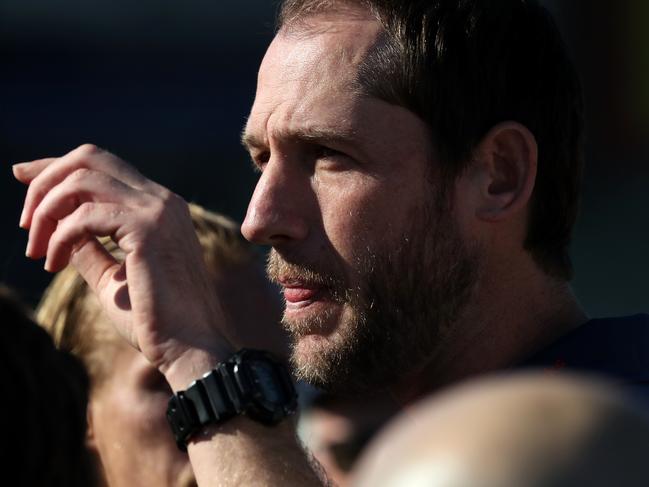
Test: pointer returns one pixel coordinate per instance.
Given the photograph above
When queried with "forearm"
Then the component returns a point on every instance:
(242, 452)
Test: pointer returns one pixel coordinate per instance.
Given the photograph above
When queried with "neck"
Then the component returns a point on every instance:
(508, 321)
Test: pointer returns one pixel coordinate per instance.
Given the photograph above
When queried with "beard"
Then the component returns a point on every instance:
(407, 297)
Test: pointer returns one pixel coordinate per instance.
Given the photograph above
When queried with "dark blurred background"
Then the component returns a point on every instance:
(167, 86)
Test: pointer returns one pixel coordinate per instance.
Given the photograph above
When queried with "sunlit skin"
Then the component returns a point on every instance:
(340, 172)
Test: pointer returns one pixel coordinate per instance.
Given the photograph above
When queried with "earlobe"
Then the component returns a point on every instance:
(506, 163)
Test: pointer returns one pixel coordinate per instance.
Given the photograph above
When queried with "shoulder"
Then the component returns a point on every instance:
(617, 347)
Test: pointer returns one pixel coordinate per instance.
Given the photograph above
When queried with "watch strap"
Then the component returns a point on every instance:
(211, 399)
(217, 397)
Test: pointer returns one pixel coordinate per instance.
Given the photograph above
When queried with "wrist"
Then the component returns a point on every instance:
(192, 364)
(250, 382)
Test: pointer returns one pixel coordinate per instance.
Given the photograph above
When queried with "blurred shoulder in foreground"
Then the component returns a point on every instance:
(537, 430)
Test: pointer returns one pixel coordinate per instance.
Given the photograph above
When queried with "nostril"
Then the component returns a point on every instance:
(276, 240)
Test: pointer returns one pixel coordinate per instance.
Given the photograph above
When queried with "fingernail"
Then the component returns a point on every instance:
(22, 223)
(47, 265)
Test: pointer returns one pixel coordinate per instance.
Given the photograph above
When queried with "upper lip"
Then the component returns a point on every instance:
(297, 284)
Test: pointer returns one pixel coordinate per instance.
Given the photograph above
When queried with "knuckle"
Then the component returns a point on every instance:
(88, 149)
(72, 223)
(162, 209)
(174, 201)
(84, 210)
(168, 201)
(79, 174)
(62, 237)
(158, 209)
(39, 214)
(58, 238)
(36, 192)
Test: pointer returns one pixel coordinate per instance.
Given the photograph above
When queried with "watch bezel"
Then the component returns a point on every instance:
(258, 406)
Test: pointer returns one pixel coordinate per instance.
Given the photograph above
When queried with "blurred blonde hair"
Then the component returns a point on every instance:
(73, 316)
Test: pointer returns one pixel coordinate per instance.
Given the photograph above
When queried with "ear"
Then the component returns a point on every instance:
(504, 168)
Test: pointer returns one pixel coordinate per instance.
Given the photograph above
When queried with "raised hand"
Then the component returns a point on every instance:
(160, 297)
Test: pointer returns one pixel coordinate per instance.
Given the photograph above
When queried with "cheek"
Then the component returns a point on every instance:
(134, 440)
(466, 201)
(149, 416)
(132, 417)
(363, 215)
(346, 204)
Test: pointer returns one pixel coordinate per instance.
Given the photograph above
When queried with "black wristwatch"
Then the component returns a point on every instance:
(251, 382)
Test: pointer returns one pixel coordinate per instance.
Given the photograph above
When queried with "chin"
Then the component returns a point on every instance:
(318, 319)
(316, 359)
(309, 347)
(321, 348)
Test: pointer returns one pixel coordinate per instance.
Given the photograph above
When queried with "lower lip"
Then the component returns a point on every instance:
(303, 305)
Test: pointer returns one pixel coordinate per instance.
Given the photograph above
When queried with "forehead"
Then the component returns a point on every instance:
(312, 68)
(328, 42)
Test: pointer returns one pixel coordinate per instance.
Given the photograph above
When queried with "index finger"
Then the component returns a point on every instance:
(47, 173)
(25, 172)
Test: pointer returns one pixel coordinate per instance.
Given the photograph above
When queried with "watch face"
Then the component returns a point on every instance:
(266, 381)
(269, 395)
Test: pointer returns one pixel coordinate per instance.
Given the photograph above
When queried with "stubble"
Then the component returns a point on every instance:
(410, 293)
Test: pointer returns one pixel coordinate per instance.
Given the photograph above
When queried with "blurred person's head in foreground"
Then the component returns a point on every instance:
(536, 430)
(336, 428)
(127, 426)
(45, 392)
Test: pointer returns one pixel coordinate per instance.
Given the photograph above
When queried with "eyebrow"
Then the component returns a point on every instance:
(250, 141)
(309, 134)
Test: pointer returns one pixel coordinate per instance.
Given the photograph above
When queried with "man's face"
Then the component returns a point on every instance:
(128, 427)
(364, 241)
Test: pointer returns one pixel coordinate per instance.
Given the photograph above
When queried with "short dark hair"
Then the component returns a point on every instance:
(463, 66)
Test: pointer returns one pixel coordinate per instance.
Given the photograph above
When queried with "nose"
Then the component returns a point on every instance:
(276, 213)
